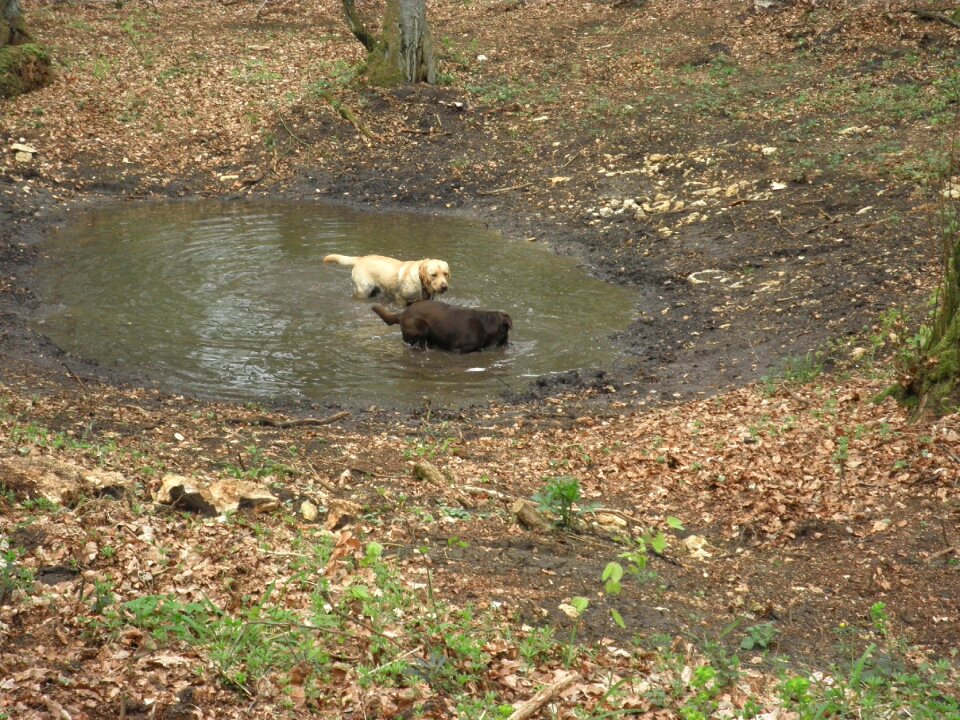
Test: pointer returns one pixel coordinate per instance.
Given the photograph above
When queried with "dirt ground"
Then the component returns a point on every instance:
(766, 179)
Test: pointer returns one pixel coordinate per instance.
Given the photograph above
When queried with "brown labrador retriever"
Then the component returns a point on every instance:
(430, 323)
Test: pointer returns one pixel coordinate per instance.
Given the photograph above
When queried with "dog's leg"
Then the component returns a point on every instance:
(364, 286)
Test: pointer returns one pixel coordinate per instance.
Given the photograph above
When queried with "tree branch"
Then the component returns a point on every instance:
(356, 25)
(935, 16)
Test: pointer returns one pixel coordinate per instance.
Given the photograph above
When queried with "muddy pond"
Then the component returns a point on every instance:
(231, 300)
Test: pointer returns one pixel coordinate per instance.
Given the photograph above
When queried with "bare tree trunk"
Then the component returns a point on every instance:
(404, 52)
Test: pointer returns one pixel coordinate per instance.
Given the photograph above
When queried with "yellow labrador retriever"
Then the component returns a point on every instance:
(405, 280)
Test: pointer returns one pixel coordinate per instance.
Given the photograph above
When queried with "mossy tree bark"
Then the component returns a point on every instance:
(23, 65)
(404, 53)
(938, 376)
(931, 380)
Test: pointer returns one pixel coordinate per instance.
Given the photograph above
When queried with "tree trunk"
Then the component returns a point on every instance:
(23, 65)
(13, 31)
(404, 52)
(935, 379)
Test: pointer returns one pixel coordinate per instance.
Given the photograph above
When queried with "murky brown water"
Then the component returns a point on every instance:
(231, 300)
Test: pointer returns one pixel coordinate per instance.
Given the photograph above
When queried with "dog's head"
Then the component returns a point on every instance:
(498, 327)
(434, 276)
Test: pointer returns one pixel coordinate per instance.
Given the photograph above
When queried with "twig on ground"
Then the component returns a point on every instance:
(531, 706)
(319, 480)
(495, 494)
(499, 191)
(418, 131)
(571, 159)
(292, 134)
(76, 377)
(946, 551)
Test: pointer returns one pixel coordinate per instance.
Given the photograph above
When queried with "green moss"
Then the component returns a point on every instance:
(23, 68)
(382, 68)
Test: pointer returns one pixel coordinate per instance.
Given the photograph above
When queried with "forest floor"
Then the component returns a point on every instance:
(768, 181)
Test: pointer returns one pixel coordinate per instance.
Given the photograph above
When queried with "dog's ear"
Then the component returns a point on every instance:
(424, 278)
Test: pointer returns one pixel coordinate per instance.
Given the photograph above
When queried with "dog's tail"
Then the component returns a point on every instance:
(388, 317)
(344, 260)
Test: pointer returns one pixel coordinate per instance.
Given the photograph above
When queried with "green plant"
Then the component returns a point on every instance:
(559, 497)
(760, 637)
(13, 576)
(103, 68)
(577, 607)
(256, 466)
(536, 645)
(430, 447)
(636, 559)
(841, 454)
(799, 370)
(103, 595)
(879, 618)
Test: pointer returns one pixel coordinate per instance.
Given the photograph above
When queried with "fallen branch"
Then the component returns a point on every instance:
(619, 513)
(495, 494)
(571, 159)
(935, 16)
(298, 422)
(528, 516)
(428, 473)
(319, 480)
(946, 551)
(417, 131)
(346, 113)
(292, 134)
(531, 706)
(76, 377)
(498, 191)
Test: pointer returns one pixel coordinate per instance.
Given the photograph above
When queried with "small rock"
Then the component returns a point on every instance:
(340, 512)
(23, 153)
(220, 497)
(606, 212)
(697, 546)
(569, 610)
(58, 481)
(309, 511)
